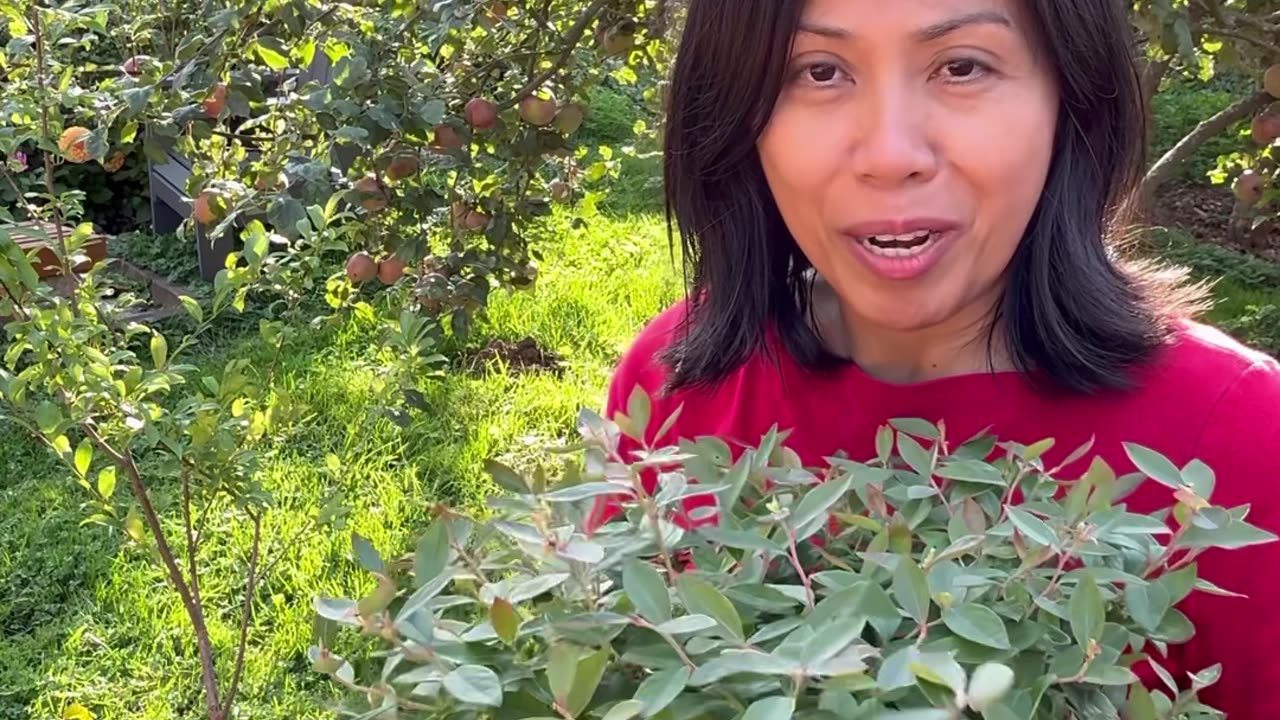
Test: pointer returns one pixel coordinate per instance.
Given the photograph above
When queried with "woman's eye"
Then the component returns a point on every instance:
(822, 73)
(963, 70)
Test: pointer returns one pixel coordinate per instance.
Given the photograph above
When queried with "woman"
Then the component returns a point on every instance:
(909, 209)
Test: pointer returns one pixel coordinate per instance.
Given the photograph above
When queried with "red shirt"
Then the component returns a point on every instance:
(1205, 396)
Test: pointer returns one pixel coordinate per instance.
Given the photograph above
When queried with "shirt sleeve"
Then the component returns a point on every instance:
(1241, 443)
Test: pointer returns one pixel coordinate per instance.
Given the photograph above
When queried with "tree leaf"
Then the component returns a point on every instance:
(687, 624)
(702, 598)
(1147, 604)
(972, 471)
(505, 477)
(159, 350)
(366, 555)
(107, 481)
(272, 52)
(474, 684)
(732, 662)
(647, 590)
(1154, 465)
(562, 666)
(586, 680)
(816, 503)
(915, 455)
(84, 456)
(990, 682)
(504, 619)
(1033, 527)
(940, 668)
(432, 554)
(658, 690)
(1088, 611)
(911, 589)
(921, 714)
(1200, 477)
(771, 708)
(1237, 534)
(586, 490)
(977, 623)
(624, 710)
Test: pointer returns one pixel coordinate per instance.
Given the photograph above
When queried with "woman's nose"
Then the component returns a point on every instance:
(891, 142)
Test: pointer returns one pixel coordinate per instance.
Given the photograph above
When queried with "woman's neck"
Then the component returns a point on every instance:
(958, 346)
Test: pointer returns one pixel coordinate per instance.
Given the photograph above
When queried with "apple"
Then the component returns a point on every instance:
(373, 195)
(403, 165)
(1271, 81)
(1265, 127)
(570, 118)
(540, 111)
(216, 102)
(74, 144)
(133, 66)
(391, 269)
(361, 268)
(208, 208)
(1249, 186)
(446, 139)
(481, 114)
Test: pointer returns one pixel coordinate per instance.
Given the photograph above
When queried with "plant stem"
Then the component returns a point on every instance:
(246, 616)
(49, 142)
(795, 563)
(124, 461)
(675, 645)
(191, 534)
(1159, 562)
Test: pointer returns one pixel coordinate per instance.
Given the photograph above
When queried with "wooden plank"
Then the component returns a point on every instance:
(28, 236)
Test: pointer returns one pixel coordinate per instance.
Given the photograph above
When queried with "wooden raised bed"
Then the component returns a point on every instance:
(43, 237)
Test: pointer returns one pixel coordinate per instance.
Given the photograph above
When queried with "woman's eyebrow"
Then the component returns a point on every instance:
(926, 34)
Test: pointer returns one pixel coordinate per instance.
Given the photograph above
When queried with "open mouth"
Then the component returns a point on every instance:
(901, 246)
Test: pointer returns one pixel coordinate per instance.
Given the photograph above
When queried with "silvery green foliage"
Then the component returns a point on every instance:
(935, 581)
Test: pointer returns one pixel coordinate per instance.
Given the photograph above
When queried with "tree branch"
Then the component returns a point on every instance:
(1164, 168)
(48, 156)
(246, 616)
(125, 462)
(191, 535)
(571, 40)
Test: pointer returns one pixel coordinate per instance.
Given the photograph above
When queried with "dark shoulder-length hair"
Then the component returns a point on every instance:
(1072, 312)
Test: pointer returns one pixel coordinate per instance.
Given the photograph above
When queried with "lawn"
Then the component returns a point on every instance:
(83, 620)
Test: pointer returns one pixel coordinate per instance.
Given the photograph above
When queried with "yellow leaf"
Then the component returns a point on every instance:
(77, 712)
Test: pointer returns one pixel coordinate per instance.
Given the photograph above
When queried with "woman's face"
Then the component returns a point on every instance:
(908, 151)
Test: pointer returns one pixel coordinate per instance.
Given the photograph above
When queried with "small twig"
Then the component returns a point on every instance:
(48, 157)
(675, 645)
(571, 40)
(190, 531)
(246, 615)
(1167, 554)
(795, 563)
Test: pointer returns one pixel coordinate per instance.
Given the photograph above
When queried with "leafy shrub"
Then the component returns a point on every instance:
(919, 584)
(166, 254)
(1181, 105)
(1259, 326)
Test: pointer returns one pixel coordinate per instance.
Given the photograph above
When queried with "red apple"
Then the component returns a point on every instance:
(481, 114)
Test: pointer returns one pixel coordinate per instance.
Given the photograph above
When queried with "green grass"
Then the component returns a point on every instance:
(85, 620)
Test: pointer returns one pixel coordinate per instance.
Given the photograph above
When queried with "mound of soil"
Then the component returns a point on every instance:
(1205, 212)
(522, 355)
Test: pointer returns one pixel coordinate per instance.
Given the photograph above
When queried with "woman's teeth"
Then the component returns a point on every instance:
(900, 245)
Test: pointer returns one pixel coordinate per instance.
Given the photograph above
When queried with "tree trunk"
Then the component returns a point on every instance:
(1165, 167)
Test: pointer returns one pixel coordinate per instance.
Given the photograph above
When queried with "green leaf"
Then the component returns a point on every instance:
(702, 598)
(911, 589)
(646, 589)
(474, 684)
(1154, 465)
(815, 505)
(972, 471)
(587, 679)
(193, 308)
(366, 555)
(922, 714)
(159, 350)
(1200, 477)
(432, 554)
(915, 455)
(741, 539)
(1033, 527)
(771, 708)
(895, 671)
(506, 478)
(1141, 706)
(660, 689)
(977, 623)
(1237, 534)
(940, 668)
(917, 427)
(273, 52)
(1147, 604)
(562, 666)
(687, 624)
(107, 482)
(504, 619)
(48, 417)
(988, 685)
(584, 491)
(1088, 611)
(732, 662)
(84, 456)
(624, 710)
